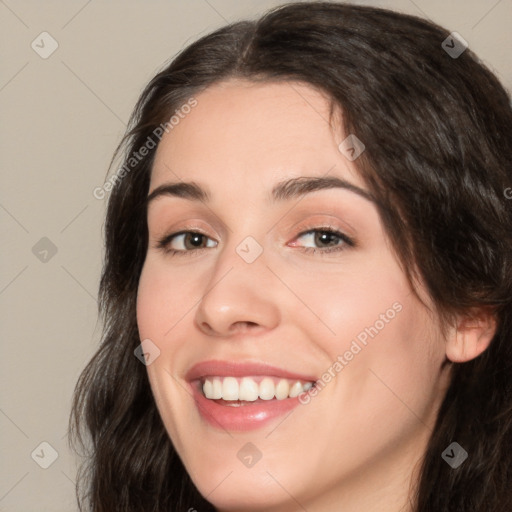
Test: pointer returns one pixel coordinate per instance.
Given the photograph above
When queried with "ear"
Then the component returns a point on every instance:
(471, 336)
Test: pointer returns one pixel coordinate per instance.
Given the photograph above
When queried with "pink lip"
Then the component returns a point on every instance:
(247, 417)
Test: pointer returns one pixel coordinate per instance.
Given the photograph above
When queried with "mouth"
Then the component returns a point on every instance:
(237, 396)
(236, 391)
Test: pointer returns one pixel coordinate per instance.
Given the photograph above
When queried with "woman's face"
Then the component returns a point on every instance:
(262, 301)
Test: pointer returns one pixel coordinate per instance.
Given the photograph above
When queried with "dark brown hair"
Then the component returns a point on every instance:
(438, 137)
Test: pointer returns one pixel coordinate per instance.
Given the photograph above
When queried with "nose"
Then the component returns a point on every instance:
(239, 297)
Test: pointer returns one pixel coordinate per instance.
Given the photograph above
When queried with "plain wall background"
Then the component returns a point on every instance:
(61, 119)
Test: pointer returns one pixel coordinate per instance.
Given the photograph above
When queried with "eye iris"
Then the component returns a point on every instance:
(323, 237)
(194, 238)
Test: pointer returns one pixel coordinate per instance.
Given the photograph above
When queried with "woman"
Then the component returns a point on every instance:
(245, 365)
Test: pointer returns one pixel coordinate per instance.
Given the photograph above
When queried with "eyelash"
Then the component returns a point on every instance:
(163, 244)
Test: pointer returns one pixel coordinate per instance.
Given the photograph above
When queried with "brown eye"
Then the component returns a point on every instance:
(326, 239)
(184, 241)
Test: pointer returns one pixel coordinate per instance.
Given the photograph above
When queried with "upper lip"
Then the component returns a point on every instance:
(219, 368)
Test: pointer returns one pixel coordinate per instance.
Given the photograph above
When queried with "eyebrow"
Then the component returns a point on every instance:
(283, 191)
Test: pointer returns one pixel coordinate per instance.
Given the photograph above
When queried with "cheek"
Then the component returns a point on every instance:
(354, 303)
(397, 368)
(162, 299)
(159, 304)
(150, 304)
(384, 334)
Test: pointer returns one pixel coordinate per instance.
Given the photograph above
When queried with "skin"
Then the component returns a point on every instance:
(356, 445)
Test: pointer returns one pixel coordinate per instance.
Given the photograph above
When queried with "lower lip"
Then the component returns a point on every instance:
(251, 416)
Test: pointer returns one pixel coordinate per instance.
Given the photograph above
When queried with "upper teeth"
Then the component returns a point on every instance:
(231, 388)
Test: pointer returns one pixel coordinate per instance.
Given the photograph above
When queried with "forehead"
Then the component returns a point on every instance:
(259, 131)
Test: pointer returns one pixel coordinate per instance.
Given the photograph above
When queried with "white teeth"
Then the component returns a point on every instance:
(248, 390)
(267, 389)
(282, 389)
(217, 389)
(296, 389)
(208, 388)
(230, 388)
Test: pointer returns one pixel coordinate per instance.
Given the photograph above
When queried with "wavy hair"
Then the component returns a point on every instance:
(438, 158)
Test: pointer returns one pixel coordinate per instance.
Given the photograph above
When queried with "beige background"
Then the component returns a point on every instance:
(61, 118)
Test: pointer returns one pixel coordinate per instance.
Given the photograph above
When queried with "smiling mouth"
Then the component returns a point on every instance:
(240, 391)
(245, 395)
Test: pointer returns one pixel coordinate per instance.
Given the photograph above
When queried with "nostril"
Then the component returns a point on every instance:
(243, 326)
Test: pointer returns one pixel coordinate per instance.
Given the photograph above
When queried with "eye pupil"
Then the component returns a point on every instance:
(195, 238)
